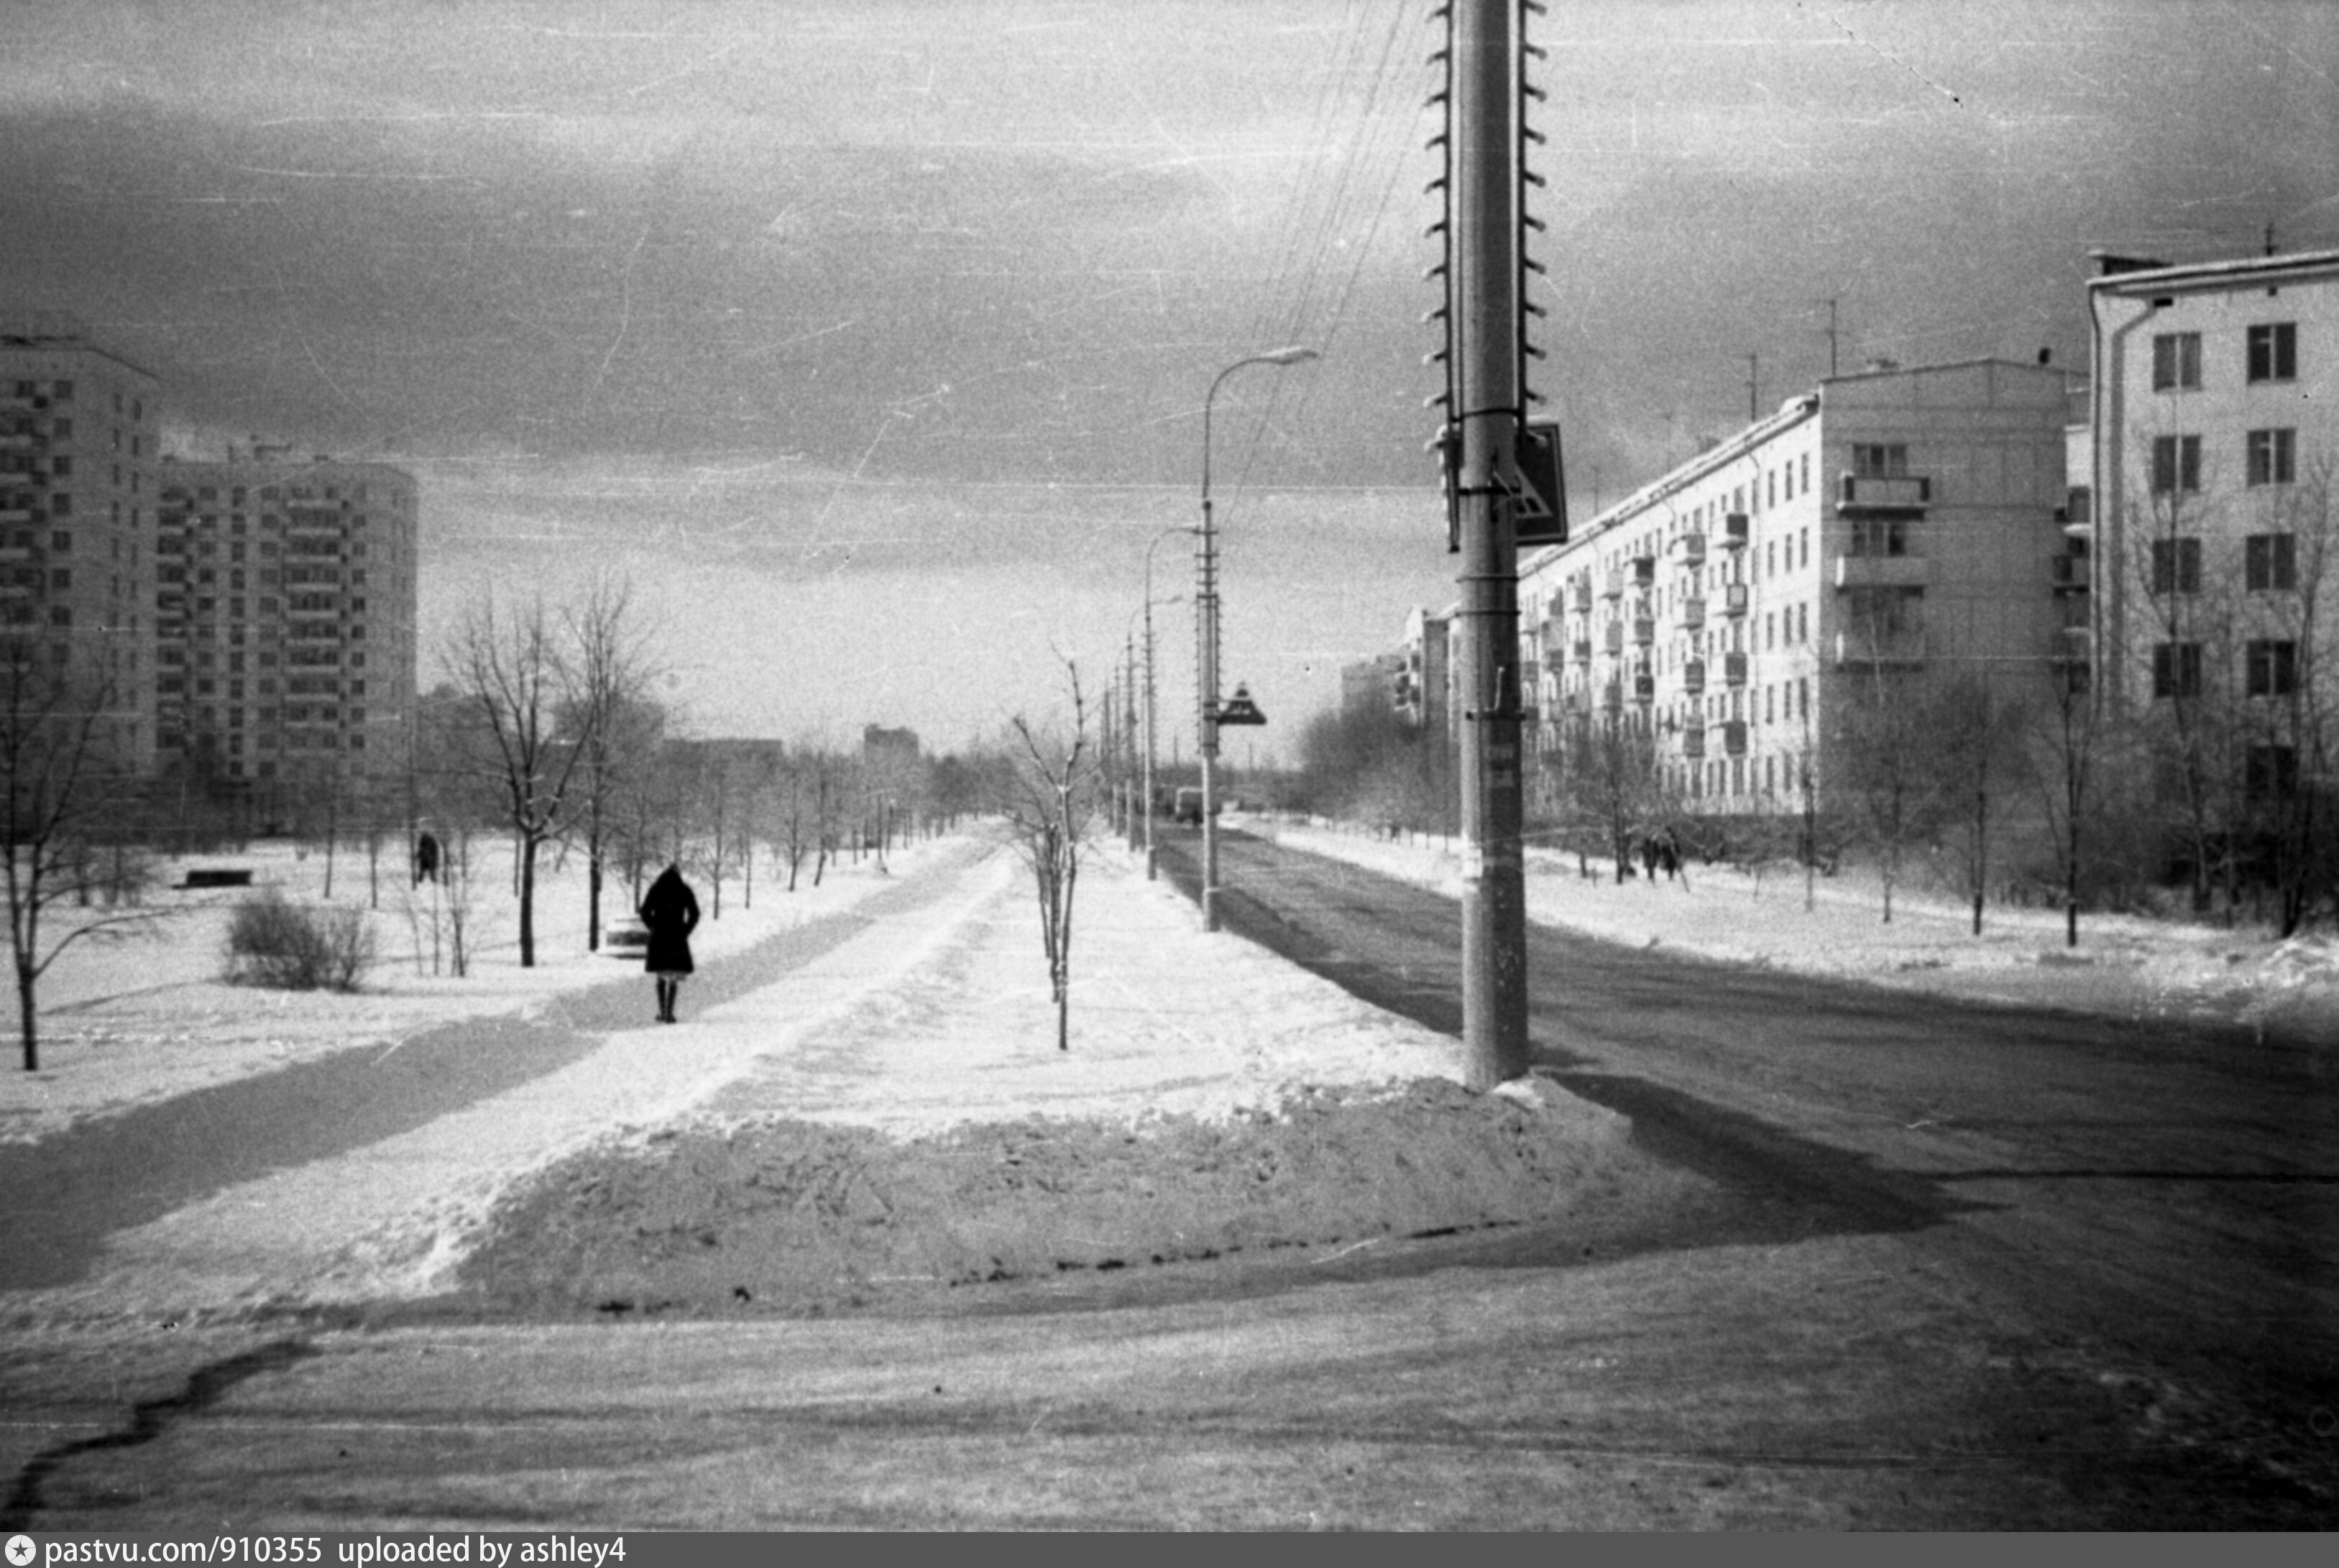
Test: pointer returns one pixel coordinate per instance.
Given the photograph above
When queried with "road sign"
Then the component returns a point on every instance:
(1238, 709)
(1539, 504)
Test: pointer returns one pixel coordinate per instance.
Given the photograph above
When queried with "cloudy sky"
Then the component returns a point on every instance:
(869, 338)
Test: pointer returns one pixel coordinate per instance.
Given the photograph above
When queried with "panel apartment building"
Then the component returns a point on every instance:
(78, 433)
(2216, 433)
(284, 600)
(1893, 524)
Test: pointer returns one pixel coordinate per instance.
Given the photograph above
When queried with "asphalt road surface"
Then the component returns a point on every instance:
(1946, 1266)
(2169, 1190)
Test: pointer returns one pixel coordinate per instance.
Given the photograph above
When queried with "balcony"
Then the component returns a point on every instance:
(1644, 688)
(1903, 571)
(1901, 493)
(1693, 678)
(1733, 669)
(1645, 630)
(1579, 596)
(1736, 529)
(1733, 738)
(1693, 743)
(2067, 574)
(1640, 572)
(1734, 599)
(1693, 613)
(1615, 638)
(1692, 550)
(14, 511)
(1889, 651)
(1611, 698)
(1581, 651)
(1614, 587)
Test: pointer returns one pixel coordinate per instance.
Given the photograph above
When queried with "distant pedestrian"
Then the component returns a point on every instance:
(426, 859)
(669, 913)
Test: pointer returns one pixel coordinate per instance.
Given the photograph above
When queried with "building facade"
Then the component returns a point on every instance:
(78, 433)
(1888, 526)
(284, 626)
(2215, 441)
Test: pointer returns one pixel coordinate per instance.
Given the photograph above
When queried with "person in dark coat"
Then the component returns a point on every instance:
(669, 913)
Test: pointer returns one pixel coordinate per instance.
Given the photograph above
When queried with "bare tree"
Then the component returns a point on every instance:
(1057, 789)
(2188, 598)
(620, 728)
(1974, 730)
(1887, 757)
(63, 771)
(2289, 670)
(2074, 746)
(513, 672)
(794, 821)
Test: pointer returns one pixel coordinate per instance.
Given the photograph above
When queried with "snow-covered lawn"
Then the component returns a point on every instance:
(2123, 964)
(144, 1014)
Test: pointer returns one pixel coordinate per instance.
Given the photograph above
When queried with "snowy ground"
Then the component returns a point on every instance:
(931, 1020)
(928, 1019)
(2123, 965)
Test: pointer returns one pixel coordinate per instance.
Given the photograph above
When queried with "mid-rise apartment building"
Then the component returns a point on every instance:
(1885, 528)
(2216, 433)
(78, 431)
(285, 604)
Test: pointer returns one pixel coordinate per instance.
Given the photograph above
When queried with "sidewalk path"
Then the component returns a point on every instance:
(237, 1193)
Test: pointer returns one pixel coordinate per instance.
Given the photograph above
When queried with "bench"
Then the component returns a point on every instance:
(629, 939)
(218, 876)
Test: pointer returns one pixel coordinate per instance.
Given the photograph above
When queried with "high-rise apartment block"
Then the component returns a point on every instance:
(252, 619)
(78, 434)
(284, 600)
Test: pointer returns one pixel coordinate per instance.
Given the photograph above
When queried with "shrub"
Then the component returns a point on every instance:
(286, 947)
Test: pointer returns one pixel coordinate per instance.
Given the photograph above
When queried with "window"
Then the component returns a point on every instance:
(2177, 670)
(2270, 563)
(2175, 464)
(2273, 457)
(61, 541)
(2176, 362)
(2272, 669)
(2270, 773)
(2274, 351)
(1879, 537)
(1888, 462)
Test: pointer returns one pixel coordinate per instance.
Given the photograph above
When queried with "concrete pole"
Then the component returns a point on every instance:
(1486, 272)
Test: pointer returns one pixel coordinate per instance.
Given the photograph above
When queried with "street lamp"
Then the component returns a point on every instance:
(1206, 626)
(1149, 601)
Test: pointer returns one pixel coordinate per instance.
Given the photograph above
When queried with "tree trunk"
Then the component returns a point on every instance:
(28, 1016)
(593, 879)
(527, 901)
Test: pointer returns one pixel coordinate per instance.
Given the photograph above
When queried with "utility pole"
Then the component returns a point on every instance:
(1753, 389)
(1832, 337)
(1486, 411)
